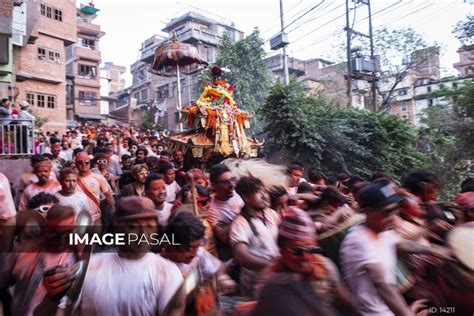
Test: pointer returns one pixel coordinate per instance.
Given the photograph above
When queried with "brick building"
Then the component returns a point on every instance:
(45, 66)
(6, 48)
(465, 66)
(111, 82)
(82, 72)
(40, 59)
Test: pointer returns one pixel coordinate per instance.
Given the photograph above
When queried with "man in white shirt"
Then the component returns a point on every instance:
(94, 186)
(295, 177)
(188, 252)
(131, 281)
(253, 234)
(369, 253)
(225, 207)
(75, 140)
(68, 195)
(155, 189)
(66, 151)
(172, 187)
(7, 215)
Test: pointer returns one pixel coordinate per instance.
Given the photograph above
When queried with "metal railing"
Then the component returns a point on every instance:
(17, 137)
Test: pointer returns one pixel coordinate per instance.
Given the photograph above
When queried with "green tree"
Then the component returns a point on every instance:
(146, 122)
(447, 136)
(310, 129)
(464, 31)
(248, 72)
(39, 120)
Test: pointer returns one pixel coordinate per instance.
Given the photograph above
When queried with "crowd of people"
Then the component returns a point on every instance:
(309, 244)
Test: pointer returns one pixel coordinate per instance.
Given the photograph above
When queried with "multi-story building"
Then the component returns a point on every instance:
(465, 66)
(114, 76)
(119, 106)
(144, 83)
(320, 76)
(423, 93)
(83, 60)
(6, 47)
(39, 61)
(55, 75)
(401, 96)
(159, 95)
(111, 82)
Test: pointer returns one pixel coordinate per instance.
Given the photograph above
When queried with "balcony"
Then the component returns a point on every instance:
(84, 26)
(196, 35)
(87, 53)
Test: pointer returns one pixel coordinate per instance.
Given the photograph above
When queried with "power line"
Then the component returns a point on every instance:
(301, 16)
(411, 13)
(267, 30)
(316, 17)
(320, 27)
(338, 32)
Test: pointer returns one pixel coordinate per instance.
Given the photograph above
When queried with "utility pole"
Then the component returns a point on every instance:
(349, 66)
(361, 67)
(372, 57)
(286, 75)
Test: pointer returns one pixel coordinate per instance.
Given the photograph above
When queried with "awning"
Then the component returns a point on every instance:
(90, 117)
(71, 123)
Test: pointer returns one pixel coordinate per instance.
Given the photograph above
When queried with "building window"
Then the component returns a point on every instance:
(58, 15)
(144, 95)
(51, 13)
(404, 108)
(86, 42)
(30, 98)
(51, 55)
(57, 57)
(41, 53)
(136, 95)
(402, 92)
(163, 92)
(46, 11)
(87, 98)
(455, 85)
(175, 88)
(428, 89)
(40, 98)
(430, 102)
(87, 71)
(51, 101)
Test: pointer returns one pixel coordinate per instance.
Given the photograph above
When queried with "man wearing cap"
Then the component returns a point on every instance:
(369, 253)
(301, 281)
(129, 281)
(25, 120)
(94, 186)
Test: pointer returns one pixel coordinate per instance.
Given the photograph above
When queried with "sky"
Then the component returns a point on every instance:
(127, 23)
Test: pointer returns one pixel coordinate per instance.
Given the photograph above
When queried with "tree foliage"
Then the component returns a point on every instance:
(248, 72)
(336, 140)
(146, 121)
(447, 136)
(39, 120)
(464, 31)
